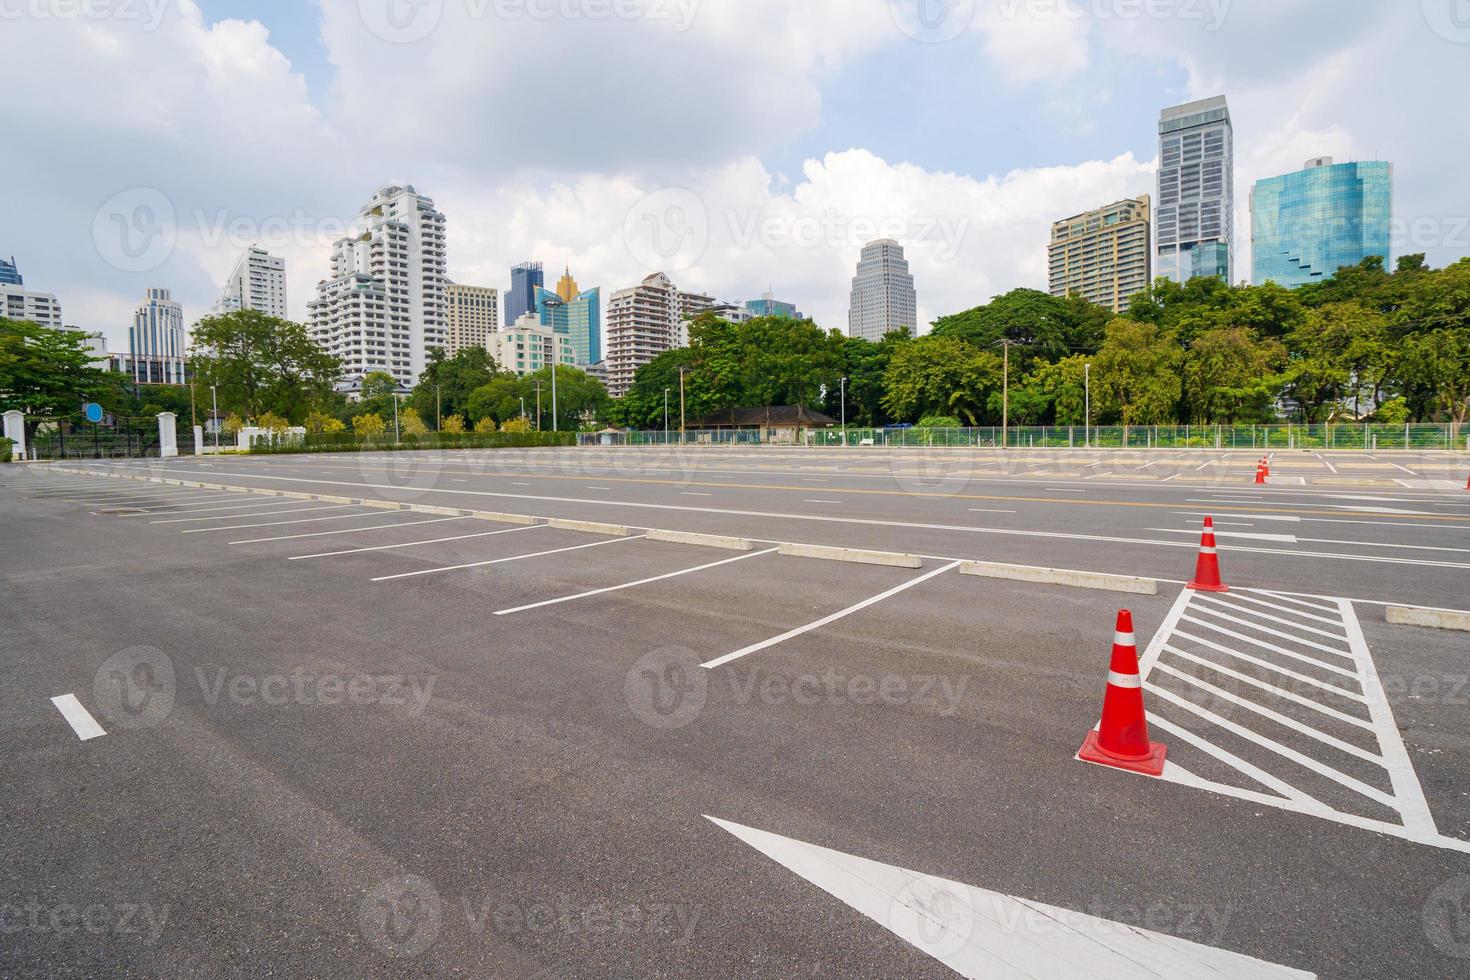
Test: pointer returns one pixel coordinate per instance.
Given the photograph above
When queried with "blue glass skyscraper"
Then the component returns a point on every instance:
(9, 274)
(520, 298)
(580, 318)
(1308, 224)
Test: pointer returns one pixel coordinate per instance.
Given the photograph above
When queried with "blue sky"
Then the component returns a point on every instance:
(779, 133)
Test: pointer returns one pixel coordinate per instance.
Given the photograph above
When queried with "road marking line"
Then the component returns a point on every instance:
(1273, 667)
(1275, 716)
(979, 933)
(827, 620)
(1298, 599)
(80, 720)
(238, 504)
(1269, 631)
(1225, 603)
(415, 544)
(349, 530)
(501, 561)
(821, 501)
(1063, 490)
(1253, 517)
(1239, 597)
(987, 510)
(693, 493)
(1264, 645)
(629, 585)
(1240, 535)
(303, 520)
(599, 488)
(1324, 462)
(231, 517)
(1280, 692)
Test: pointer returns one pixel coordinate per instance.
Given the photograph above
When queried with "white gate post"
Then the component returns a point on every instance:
(15, 428)
(198, 440)
(168, 435)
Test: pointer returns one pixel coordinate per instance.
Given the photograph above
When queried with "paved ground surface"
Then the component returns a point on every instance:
(312, 738)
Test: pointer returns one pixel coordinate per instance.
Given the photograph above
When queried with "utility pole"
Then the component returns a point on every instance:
(1087, 416)
(666, 416)
(844, 412)
(438, 411)
(681, 404)
(538, 406)
(1005, 398)
(395, 418)
(555, 425)
(214, 399)
(523, 406)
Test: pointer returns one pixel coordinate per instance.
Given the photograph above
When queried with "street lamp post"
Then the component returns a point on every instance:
(843, 388)
(1087, 411)
(538, 406)
(554, 424)
(681, 404)
(395, 419)
(214, 400)
(666, 415)
(1005, 398)
(523, 407)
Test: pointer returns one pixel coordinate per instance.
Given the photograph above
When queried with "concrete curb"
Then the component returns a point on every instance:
(487, 515)
(821, 552)
(1439, 619)
(1061, 576)
(590, 527)
(702, 540)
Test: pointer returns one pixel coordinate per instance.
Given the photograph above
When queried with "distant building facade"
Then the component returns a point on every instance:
(10, 274)
(526, 347)
(883, 296)
(768, 305)
(472, 316)
(258, 282)
(520, 299)
(19, 303)
(1195, 213)
(576, 313)
(643, 322)
(383, 306)
(1308, 224)
(1102, 255)
(156, 340)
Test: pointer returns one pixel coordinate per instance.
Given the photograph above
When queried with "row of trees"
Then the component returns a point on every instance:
(1391, 345)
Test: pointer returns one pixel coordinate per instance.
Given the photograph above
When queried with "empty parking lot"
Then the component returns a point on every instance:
(617, 712)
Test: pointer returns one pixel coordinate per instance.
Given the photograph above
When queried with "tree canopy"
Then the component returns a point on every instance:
(260, 363)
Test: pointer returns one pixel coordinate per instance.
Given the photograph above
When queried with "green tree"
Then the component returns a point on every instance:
(369, 424)
(499, 400)
(577, 393)
(261, 363)
(45, 372)
(1044, 327)
(940, 376)
(447, 382)
(1136, 374)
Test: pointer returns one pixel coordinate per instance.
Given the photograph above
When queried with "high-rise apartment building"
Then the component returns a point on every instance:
(643, 322)
(258, 282)
(18, 303)
(1103, 255)
(883, 296)
(384, 306)
(1308, 224)
(9, 274)
(579, 316)
(520, 299)
(473, 316)
(1195, 215)
(156, 340)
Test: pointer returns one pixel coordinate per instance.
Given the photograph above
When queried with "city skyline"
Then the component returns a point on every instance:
(288, 167)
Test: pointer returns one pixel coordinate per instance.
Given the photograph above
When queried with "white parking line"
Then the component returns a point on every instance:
(826, 620)
(629, 585)
(501, 561)
(415, 544)
(349, 530)
(231, 517)
(988, 510)
(238, 504)
(695, 493)
(302, 520)
(80, 720)
(821, 501)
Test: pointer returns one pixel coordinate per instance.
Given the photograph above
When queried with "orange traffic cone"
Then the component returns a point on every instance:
(1266, 464)
(1467, 483)
(1260, 474)
(1121, 740)
(1207, 568)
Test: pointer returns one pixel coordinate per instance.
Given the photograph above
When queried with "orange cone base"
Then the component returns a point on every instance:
(1198, 587)
(1150, 765)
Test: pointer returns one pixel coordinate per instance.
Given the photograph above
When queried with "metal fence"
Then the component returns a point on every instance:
(117, 438)
(1356, 436)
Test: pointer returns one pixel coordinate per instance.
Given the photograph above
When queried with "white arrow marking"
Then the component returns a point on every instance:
(979, 933)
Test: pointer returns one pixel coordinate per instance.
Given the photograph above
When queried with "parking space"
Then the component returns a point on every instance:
(366, 706)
